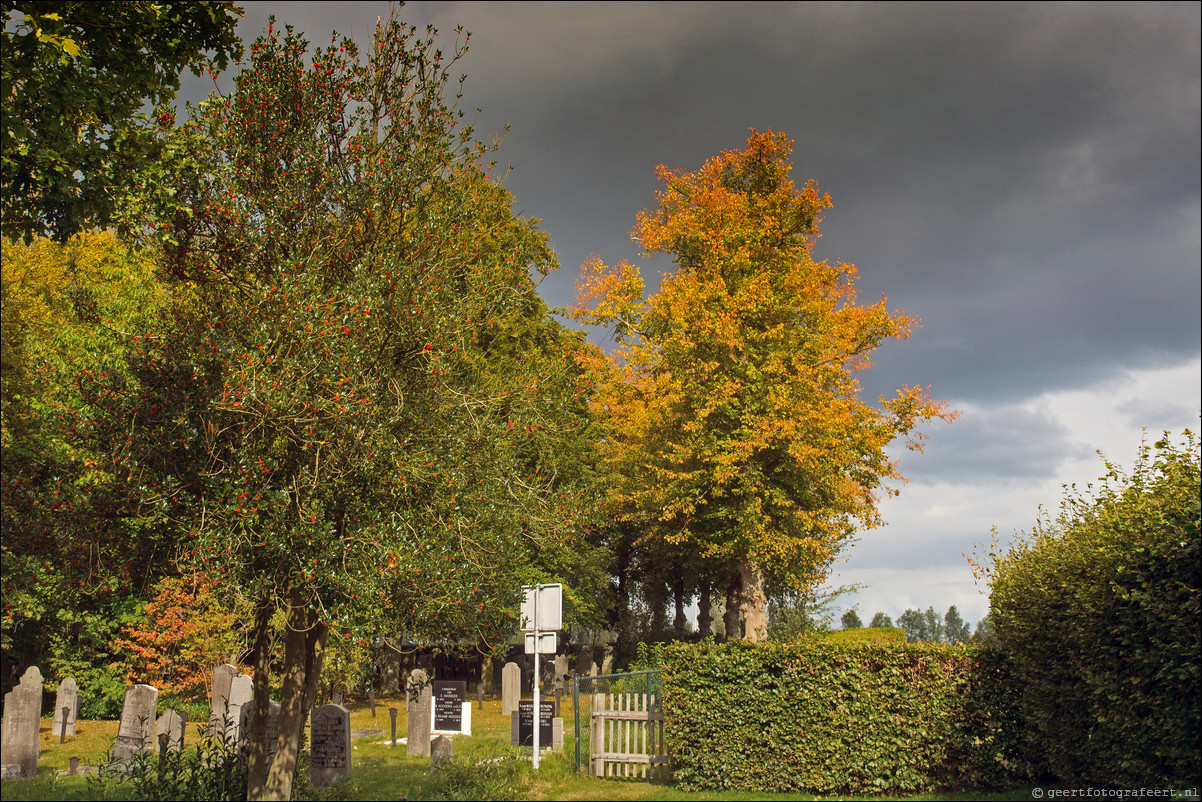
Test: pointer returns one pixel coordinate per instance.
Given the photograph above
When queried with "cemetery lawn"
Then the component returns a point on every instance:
(382, 772)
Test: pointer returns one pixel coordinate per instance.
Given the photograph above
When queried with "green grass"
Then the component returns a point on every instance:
(382, 772)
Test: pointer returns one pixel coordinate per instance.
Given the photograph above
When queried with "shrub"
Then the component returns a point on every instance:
(830, 717)
(187, 629)
(1098, 612)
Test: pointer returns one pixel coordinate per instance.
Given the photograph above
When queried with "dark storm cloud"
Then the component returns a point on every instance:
(1002, 444)
(1025, 178)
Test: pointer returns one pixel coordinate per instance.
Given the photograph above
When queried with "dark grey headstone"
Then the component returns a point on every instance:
(329, 745)
(449, 696)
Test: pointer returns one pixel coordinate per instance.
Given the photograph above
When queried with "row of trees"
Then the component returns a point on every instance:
(924, 626)
(324, 377)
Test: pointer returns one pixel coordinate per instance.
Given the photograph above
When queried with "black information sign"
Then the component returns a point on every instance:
(526, 723)
(448, 705)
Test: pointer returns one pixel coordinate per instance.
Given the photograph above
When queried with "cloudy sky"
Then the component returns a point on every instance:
(1024, 178)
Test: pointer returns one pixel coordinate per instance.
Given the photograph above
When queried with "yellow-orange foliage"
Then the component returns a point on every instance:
(734, 420)
(187, 631)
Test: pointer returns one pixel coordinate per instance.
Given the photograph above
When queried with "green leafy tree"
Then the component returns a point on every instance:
(983, 633)
(915, 625)
(851, 620)
(880, 620)
(955, 628)
(75, 77)
(734, 430)
(934, 625)
(76, 552)
(1098, 611)
(364, 412)
(792, 614)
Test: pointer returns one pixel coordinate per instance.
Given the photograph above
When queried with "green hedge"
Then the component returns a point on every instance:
(820, 716)
(866, 635)
(1098, 611)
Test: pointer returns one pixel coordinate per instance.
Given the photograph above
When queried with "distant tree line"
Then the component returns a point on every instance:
(925, 626)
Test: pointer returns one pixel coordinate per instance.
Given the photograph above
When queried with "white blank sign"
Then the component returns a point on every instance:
(550, 607)
(547, 642)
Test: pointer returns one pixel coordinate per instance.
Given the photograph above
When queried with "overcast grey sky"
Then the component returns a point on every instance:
(1024, 178)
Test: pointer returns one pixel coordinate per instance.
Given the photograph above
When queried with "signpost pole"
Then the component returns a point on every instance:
(537, 709)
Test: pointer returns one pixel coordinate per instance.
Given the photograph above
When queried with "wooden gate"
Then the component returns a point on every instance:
(627, 736)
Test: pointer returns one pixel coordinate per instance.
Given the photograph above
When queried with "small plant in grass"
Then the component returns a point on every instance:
(501, 777)
(212, 769)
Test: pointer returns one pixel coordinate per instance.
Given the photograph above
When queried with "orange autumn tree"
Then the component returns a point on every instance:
(736, 435)
(187, 629)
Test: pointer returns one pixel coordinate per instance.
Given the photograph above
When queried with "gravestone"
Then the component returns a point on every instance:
(240, 706)
(511, 688)
(562, 672)
(449, 696)
(442, 751)
(419, 707)
(68, 697)
(585, 666)
(557, 734)
(135, 731)
(273, 725)
(19, 746)
(172, 725)
(522, 734)
(219, 696)
(329, 745)
(246, 717)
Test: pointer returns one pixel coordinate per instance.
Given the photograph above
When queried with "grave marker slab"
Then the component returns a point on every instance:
(419, 706)
(219, 696)
(329, 745)
(135, 731)
(511, 687)
(442, 751)
(172, 725)
(525, 726)
(239, 709)
(449, 696)
(68, 697)
(19, 747)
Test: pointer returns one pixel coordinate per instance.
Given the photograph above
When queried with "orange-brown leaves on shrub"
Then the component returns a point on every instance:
(186, 631)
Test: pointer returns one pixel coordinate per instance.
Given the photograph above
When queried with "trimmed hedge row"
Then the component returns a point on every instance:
(826, 717)
(1098, 612)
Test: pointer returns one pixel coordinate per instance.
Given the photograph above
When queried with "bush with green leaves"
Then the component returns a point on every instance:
(828, 717)
(1098, 611)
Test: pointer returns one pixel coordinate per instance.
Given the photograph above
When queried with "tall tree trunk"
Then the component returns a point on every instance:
(753, 601)
(678, 599)
(656, 595)
(304, 646)
(730, 618)
(257, 757)
(704, 619)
